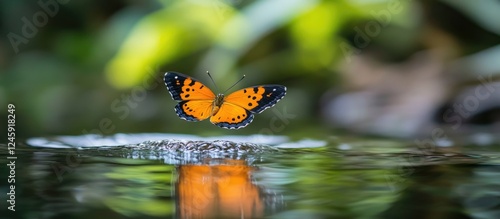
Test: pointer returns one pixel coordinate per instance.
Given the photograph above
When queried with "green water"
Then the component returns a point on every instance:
(357, 178)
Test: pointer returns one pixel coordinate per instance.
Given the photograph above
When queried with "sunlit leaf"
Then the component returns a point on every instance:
(165, 36)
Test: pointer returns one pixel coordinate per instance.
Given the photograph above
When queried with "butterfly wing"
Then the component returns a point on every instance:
(182, 87)
(196, 99)
(258, 98)
(232, 116)
(194, 110)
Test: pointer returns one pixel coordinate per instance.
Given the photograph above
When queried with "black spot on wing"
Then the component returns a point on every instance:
(174, 82)
(272, 94)
(182, 114)
(239, 125)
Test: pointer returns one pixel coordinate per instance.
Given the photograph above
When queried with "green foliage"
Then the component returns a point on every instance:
(95, 63)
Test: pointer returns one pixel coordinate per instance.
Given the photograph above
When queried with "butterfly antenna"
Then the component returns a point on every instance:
(210, 76)
(235, 84)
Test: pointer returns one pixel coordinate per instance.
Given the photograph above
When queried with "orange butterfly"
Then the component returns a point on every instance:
(197, 102)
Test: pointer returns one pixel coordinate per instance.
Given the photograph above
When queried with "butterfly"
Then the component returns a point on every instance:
(234, 111)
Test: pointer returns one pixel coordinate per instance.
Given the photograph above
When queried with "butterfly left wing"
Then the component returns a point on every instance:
(195, 98)
(258, 98)
(232, 116)
(183, 87)
(194, 110)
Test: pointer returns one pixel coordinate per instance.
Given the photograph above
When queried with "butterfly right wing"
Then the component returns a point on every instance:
(182, 87)
(232, 116)
(257, 98)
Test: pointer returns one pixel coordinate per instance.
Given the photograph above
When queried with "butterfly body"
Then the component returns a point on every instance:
(236, 110)
(219, 100)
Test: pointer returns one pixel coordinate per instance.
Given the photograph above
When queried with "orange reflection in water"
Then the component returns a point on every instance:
(224, 190)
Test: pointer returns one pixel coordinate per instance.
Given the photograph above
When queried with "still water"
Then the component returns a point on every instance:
(183, 176)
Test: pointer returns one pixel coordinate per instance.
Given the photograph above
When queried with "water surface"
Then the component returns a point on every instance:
(184, 176)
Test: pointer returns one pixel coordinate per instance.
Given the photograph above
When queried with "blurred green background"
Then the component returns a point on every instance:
(77, 67)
